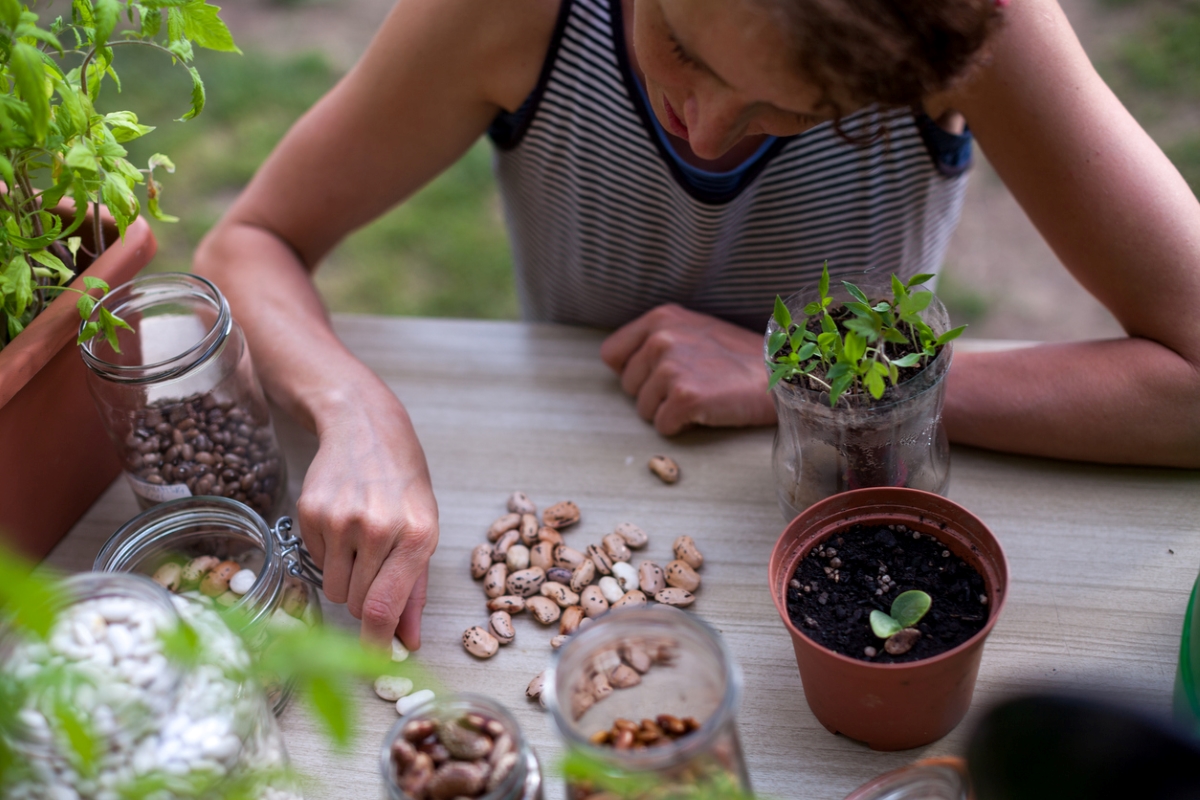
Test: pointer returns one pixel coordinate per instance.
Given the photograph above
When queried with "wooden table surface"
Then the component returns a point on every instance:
(1102, 558)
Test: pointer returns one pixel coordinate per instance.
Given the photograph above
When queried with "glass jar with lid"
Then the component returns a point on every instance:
(449, 732)
(203, 533)
(941, 778)
(102, 710)
(179, 396)
(651, 693)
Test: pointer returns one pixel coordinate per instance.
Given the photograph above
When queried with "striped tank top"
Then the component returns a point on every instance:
(606, 224)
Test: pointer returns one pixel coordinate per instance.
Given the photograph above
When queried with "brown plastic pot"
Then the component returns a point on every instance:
(890, 706)
(55, 456)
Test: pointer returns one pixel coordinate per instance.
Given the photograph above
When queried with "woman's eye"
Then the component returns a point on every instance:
(681, 55)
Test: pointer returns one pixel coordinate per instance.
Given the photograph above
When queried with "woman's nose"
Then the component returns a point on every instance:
(712, 120)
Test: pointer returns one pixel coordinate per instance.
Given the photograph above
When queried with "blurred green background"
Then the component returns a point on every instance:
(445, 251)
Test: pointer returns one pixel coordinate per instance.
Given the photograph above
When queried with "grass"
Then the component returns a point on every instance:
(1157, 71)
(443, 253)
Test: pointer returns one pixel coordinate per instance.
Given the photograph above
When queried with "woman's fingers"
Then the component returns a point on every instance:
(409, 629)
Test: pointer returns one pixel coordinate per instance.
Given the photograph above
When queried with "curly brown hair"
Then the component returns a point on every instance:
(890, 52)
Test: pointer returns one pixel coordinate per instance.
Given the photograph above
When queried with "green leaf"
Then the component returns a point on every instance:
(909, 607)
(85, 304)
(121, 201)
(806, 351)
(855, 346)
(775, 342)
(915, 303)
(109, 324)
(856, 293)
(92, 282)
(884, 626)
(919, 278)
(54, 263)
(812, 309)
(860, 309)
(894, 336)
(28, 598)
(44, 36)
(893, 374)
(83, 740)
(910, 360)
(6, 171)
(838, 387)
(158, 160)
(331, 709)
(14, 328)
(828, 325)
(863, 327)
(778, 373)
(25, 62)
(875, 384)
(899, 292)
(16, 281)
(202, 25)
(125, 126)
(840, 370)
(82, 158)
(823, 284)
(950, 335)
(197, 95)
(10, 13)
(151, 22)
(883, 306)
(107, 13)
(783, 317)
(87, 332)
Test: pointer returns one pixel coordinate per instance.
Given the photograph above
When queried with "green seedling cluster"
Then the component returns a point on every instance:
(850, 353)
(907, 610)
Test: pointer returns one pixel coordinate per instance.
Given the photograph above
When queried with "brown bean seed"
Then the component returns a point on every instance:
(216, 582)
(525, 582)
(543, 609)
(616, 548)
(529, 529)
(624, 676)
(583, 575)
(481, 560)
(651, 579)
(634, 536)
(480, 643)
(901, 642)
(561, 515)
(631, 599)
(558, 575)
(507, 602)
(567, 557)
(571, 617)
(593, 602)
(666, 469)
(674, 596)
(559, 594)
(549, 535)
(506, 540)
(685, 550)
(680, 574)
(503, 524)
(519, 503)
(542, 555)
(600, 559)
(500, 625)
(495, 580)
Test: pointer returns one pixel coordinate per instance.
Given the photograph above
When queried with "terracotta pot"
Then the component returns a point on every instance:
(890, 706)
(55, 456)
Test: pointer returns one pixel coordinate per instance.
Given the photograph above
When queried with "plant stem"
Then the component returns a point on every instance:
(97, 229)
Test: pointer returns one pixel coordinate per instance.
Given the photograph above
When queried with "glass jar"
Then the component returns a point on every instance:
(180, 399)
(684, 673)
(523, 781)
(178, 531)
(896, 441)
(928, 779)
(105, 712)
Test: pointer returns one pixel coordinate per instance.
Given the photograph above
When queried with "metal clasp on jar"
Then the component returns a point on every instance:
(298, 563)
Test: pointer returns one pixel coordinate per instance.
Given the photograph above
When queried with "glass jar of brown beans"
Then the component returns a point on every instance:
(463, 746)
(647, 700)
(179, 396)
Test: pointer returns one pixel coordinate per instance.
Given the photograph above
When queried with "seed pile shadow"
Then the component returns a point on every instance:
(835, 612)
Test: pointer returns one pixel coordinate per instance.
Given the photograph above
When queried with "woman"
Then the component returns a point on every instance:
(645, 192)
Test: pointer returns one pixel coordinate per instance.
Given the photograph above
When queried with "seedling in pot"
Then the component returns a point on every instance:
(897, 628)
(862, 344)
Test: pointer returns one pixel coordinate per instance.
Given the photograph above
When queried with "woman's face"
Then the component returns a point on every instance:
(717, 71)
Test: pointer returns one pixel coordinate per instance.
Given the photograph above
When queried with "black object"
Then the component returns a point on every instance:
(1062, 748)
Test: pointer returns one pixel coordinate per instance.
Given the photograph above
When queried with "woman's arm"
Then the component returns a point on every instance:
(431, 81)
(1123, 221)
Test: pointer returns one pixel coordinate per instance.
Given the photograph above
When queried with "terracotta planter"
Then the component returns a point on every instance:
(890, 706)
(55, 456)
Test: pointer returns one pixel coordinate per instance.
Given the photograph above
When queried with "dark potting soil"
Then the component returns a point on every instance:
(834, 609)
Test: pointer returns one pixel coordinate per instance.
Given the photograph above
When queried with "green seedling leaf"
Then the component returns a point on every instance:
(202, 25)
(125, 126)
(60, 271)
(10, 13)
(856, 293)
(899, 291)
(875, 384)
(813, 308)
(854, 348)
(838, 387)
(16, 281)
(823, 283)
(883, 306)
(85, 304)
(775, 343)
(6, 171)
(910, 360)
(107, 13)
(884, 626)
(950, 335)
(87, 331)
(863, 327)
(331, 709)
(778, 373)
(95, 283)
(806, 351)
(909, 607)
(828, 325)
(783, 317)
(914, 304)
(919, 278)
(894, 336)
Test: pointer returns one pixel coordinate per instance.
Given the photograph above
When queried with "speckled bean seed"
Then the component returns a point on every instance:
(685, 550)
(680, 574)
(631, 599)
(511, 603)
(495, 580)
(634, 536)
(502, 525)
(593, 601)
(506, 540)
(674, 596)
(616, 548)
(519, 503)
(560, 515)
(525, 582)
(651, 578)
(600, 559)
(500, 625)
(665, 468)
(567, 557)
(216, 582)
(481, 560)
(571, 617)
(169, 576)
(480, 643)
(583, 575)
(559, 575)
(529, 529)
(559, 594)
(541, 555)
(543, 609)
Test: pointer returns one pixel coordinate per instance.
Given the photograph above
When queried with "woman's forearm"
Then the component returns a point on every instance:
(1124, 401)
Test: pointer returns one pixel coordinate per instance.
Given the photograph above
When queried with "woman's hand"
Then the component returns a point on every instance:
(688, 369)
(368, 515)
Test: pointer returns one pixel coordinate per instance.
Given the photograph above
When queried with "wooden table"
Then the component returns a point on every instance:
(1102, 558)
